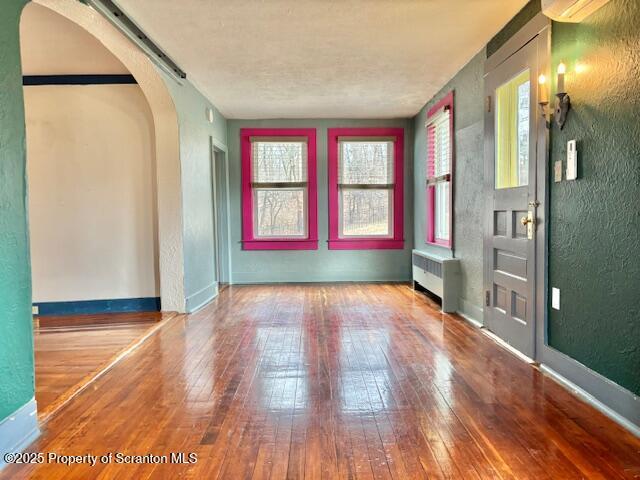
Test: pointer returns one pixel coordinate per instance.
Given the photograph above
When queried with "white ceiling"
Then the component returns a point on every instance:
(321, 58)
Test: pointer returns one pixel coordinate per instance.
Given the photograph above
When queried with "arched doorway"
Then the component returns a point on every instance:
(104, 194)
(166, 138)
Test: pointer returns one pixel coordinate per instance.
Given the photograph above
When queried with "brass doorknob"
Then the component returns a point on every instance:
(525, 221)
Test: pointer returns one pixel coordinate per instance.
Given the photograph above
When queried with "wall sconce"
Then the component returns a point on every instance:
(563, 101)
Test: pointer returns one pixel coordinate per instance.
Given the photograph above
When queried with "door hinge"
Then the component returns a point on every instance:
(487, 298)
(488, 103)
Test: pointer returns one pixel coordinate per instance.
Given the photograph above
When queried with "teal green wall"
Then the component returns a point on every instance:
(317, 265)
(196, 134)
(468, 120)
(594, 237)
(16, 340)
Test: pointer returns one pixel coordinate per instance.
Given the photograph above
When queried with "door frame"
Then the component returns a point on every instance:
(536, 30)
(219, 151)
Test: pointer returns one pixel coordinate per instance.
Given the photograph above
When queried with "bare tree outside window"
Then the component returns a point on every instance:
(523, 132)
(366, 179)
(279, 170)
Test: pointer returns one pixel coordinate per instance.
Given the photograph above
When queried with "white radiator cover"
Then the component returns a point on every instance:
(440, 276)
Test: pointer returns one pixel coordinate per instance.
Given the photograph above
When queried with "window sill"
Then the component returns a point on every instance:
(441, 244)
(303, 244)
(366, 244)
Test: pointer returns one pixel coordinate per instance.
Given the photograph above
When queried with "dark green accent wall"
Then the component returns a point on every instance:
(594, 239)
(16, 340)
(594, 224)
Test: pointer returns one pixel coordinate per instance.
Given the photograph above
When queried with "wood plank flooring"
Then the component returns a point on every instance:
(331, 381)
(79, 348)
(108, 319)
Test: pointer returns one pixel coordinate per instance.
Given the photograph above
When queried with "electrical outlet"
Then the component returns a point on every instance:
(555, 298)
(35, 310)
(557, 170)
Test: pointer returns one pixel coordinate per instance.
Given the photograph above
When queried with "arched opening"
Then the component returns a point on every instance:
(91, 173)
(104, 197)
(166, 142)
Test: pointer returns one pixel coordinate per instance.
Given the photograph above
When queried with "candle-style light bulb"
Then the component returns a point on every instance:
(542, 89)
(562, 69)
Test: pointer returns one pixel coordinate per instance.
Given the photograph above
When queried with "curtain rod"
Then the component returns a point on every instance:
(114, 13)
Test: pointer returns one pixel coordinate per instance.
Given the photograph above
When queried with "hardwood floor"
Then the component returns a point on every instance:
(68, 358)
(331, 381)
(70, 321)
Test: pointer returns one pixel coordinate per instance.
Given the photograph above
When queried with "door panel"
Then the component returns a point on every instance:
(510, 192)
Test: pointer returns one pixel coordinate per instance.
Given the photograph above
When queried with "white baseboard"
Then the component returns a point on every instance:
(471, 320)
(506, 346)
(244, 278)
(19, 429)
(201, 298)
(471, 312)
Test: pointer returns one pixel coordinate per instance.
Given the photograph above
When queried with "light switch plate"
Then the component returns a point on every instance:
(35, 310)
(572, 160)
(557, 169)
(555, 298)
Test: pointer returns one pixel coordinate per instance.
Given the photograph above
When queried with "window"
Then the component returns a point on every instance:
(279, 197)
(366, 188)
(512, 132)
(439, 172)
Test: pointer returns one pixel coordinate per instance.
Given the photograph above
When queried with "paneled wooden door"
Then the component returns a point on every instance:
(512, 172)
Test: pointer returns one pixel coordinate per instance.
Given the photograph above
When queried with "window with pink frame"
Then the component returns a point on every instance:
(279, 191)
(366, 194)
(440, 173)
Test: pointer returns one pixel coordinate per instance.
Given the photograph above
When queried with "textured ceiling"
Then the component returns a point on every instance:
(321, 58)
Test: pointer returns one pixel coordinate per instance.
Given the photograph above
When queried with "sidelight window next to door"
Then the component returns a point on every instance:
(512, 132)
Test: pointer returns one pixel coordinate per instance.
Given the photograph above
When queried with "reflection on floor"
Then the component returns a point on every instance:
(334, 382)
(71, 351)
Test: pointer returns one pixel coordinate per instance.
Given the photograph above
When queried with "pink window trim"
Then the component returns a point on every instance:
(249, 242)
(431, 239)
(372, 243)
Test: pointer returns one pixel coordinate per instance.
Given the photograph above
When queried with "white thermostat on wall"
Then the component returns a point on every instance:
(572, 160)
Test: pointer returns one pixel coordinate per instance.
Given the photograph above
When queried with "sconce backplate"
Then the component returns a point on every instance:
(563, 105)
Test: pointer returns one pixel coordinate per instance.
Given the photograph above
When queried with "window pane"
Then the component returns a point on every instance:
(366, 212)
(280, 212)
(279, 162)
(523, 133)
(442, 147)
(366, 162)
(512, 132)
(442, 211)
